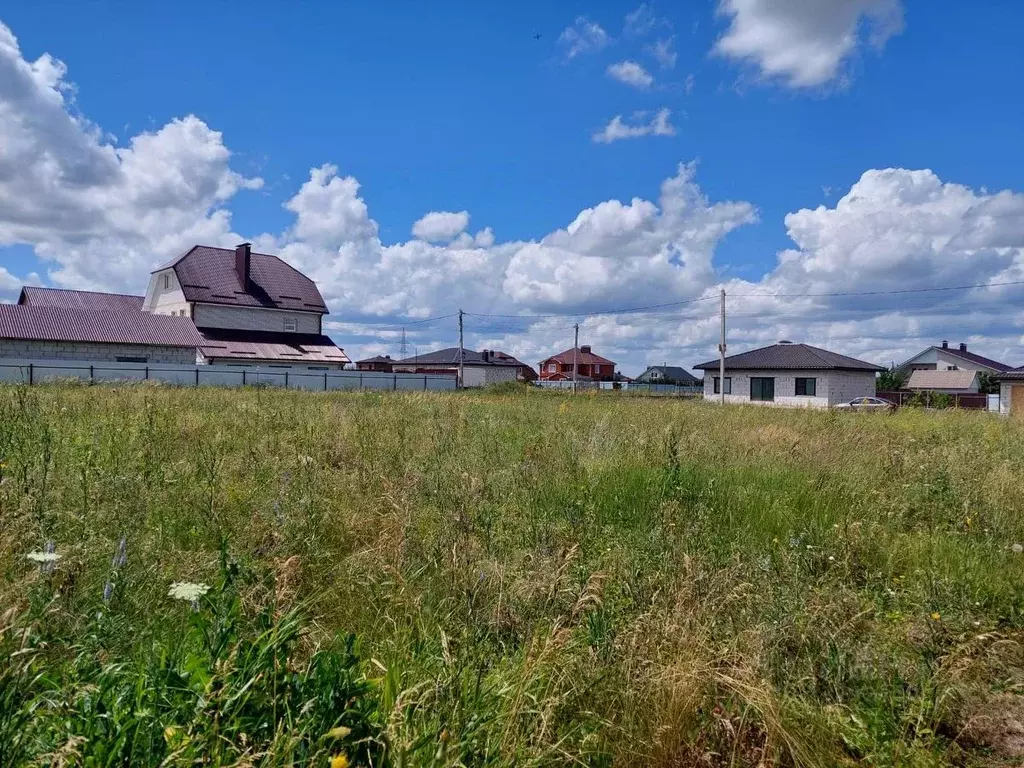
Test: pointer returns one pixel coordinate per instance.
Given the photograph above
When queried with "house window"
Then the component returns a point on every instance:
(728, 385)
(552, 367)
(806, 387)
(319, 367)
(762, 388)
(167, 281)
(131, 359)
(291, 324)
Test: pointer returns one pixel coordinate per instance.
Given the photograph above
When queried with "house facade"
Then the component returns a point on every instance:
(592, 367)
(947, 358)
(1011, 392)
(480, 369)
(667, 374)
(30, 332)
(380, 363)
(787, 374)
(251, 309)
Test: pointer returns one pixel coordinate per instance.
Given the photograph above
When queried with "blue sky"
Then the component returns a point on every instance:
(457, 107)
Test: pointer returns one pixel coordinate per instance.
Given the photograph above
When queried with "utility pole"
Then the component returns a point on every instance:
(462, 368)
(575, 355)
(721, 355)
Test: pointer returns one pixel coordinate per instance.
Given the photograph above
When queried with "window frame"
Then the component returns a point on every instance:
(805, 379)
(293, 322)
(759, 395)
(167, 281)
(131, 359)
(716, 387)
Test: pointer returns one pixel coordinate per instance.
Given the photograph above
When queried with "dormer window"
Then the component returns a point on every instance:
(291, 325)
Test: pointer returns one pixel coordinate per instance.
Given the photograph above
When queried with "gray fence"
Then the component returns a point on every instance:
(666, 390)
(38, 371)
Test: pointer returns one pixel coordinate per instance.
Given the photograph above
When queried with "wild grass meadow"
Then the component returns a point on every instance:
(503, 578)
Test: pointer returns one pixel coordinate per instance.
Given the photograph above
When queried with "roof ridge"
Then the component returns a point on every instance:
(815, 350)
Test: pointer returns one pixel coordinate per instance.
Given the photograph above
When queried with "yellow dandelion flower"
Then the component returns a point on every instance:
(339, 761)
(936, 616)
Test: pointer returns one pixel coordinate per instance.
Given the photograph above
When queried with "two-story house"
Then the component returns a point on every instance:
(250, 308)
(592, 367)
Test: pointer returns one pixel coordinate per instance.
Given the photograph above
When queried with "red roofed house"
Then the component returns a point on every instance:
(592, 367)
(250, 308)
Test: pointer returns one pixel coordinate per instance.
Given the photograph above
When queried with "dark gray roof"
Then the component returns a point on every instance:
(69, 299)
(450, 356)
(975, 358)
(24, 321)
(270, 345)
(672, 372)
(1014, 374)
(208, 275)
(800, 357)
(378, 359)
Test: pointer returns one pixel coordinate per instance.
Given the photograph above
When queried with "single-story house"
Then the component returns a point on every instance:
(667, 374)
(68, 333)
(790, 374)
(950, 382)
(592, 367)
(380, 363)
(947, 358)
(480, 368)
(1011, 392)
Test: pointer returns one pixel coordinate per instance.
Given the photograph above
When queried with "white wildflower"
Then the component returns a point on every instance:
(831, 559)
(187, 590)
(1018, 548)
(43, 557)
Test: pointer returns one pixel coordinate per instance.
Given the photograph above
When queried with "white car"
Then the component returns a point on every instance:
(865, 404)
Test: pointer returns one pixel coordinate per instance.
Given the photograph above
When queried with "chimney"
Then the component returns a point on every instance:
(485, 354)
(585, 349)
(243, 258)
(963, 347)
(945, 345)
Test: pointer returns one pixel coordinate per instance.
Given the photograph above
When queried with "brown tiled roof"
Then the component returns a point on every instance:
(208, 275)
(961, 379)
(269, 345)
(581, 357)
(69, 299)
(21, 321)
(787, 356)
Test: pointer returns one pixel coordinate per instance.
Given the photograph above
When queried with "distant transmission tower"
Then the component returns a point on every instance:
(403, 347)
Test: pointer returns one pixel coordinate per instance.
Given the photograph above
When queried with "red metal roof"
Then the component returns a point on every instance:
(208, 274)
(69, 299)
(21, 321)
(267, 345)
(581, 357)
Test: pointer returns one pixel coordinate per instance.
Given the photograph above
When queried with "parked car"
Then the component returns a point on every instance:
(866, 404)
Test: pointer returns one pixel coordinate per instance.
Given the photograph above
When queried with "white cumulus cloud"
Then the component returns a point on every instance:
(805, 44)
(664, 52)
(631, 73)
(583, 36)
(440, 226)
(618, 129)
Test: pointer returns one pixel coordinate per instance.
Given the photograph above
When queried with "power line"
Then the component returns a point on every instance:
(881, 293)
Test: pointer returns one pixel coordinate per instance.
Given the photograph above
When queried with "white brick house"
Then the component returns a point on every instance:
(787, 374)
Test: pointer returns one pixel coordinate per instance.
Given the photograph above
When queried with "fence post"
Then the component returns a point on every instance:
(424, 383)
(325, 381)
(286, 379)
(147, 373)
(394, 385)
(197, 375)
(243, 377)
(360, 380)
(90, 374)
(31, 374)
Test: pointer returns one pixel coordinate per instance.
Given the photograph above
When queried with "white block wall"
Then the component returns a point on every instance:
(58, 350)
(165, 301)
(1005, 395)
(831, 387)
(483, 375)
(253, 318)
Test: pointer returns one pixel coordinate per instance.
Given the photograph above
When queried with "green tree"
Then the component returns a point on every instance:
(987, 384)
(890, 380)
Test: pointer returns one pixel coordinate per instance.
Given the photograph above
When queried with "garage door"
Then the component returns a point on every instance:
(1017, 402)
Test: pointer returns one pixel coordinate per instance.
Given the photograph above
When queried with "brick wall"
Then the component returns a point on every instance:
(56, 350)
(831, 387)
(253, 318)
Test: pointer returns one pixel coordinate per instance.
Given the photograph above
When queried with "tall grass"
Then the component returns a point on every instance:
(504, 579)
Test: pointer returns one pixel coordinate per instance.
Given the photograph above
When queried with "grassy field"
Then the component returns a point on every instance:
(504, 579)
